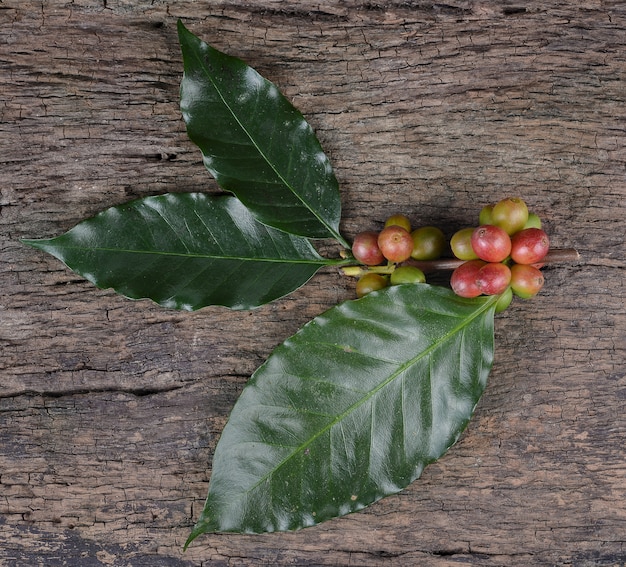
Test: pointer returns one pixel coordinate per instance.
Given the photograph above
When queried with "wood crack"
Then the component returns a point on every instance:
(141, 392)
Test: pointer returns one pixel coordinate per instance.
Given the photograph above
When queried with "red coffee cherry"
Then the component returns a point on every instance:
(529, 246)
(365, 249)
(526, 280)
(463, 279)
(493, 278)
(395, 243)
(491, 243)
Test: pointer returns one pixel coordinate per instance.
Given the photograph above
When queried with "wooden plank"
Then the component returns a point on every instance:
(110, 409)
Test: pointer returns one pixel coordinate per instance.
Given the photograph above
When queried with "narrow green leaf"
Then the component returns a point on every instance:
(186, 251)
(350, 409)
(256, 144)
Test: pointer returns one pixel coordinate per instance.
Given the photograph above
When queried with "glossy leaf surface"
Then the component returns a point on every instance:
(350, 409)
(186, 251)
(256, 144)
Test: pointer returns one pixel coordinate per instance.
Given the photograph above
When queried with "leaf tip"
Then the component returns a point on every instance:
(38, 243)
(195, 532)
(184, 35)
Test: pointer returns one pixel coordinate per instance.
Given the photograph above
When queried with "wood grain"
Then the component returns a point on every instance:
(110, 409)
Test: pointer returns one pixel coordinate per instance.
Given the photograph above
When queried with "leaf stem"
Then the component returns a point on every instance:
(337, 236)
(557, 256)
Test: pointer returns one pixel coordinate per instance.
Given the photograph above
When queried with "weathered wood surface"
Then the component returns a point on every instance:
(110, 409)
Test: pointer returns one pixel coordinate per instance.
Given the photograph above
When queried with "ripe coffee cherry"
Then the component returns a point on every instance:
(463, 279)
(429, 242)
(365, 249)
(526, 280)
(407, 274)
(533, 221)
(491, 243)
(493, 278)
(370, 282)
(399, 220)
(461, 244)
(510, 215)
(529, 246)
(395, 243)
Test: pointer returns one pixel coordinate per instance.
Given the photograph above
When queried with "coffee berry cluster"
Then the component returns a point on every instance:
(501, 256)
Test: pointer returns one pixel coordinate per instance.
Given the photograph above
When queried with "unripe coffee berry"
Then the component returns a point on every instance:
(395, 243)
(461, 244)
(533, 221)
(407, 274)
(493, 278)
(510, 215)
(504, 300)
(463, 279)
(491, 243)
(485, 215)
(529, 246)
(429, 243)
(365, 249)
(370, 282)
(526, 280)
(399, 220)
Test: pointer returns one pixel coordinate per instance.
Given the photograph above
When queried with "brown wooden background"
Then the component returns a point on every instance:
(110, 409)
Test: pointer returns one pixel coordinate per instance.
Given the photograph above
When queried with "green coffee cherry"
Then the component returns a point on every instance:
(370, 282)
(533, 221)
(429, 243)
(461, 244)
(407, 275)
(505, 300)
(399, 220)
(485, 216)
(510, 215)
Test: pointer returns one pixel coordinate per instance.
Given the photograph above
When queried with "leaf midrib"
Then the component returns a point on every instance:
(313, 261)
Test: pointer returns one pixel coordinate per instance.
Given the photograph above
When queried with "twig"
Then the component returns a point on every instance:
(557, 256)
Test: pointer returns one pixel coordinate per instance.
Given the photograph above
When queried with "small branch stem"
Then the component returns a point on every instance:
(558, 256)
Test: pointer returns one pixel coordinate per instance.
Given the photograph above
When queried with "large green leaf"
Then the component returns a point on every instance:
(186, 251)
(350, 409)
(256, 144)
